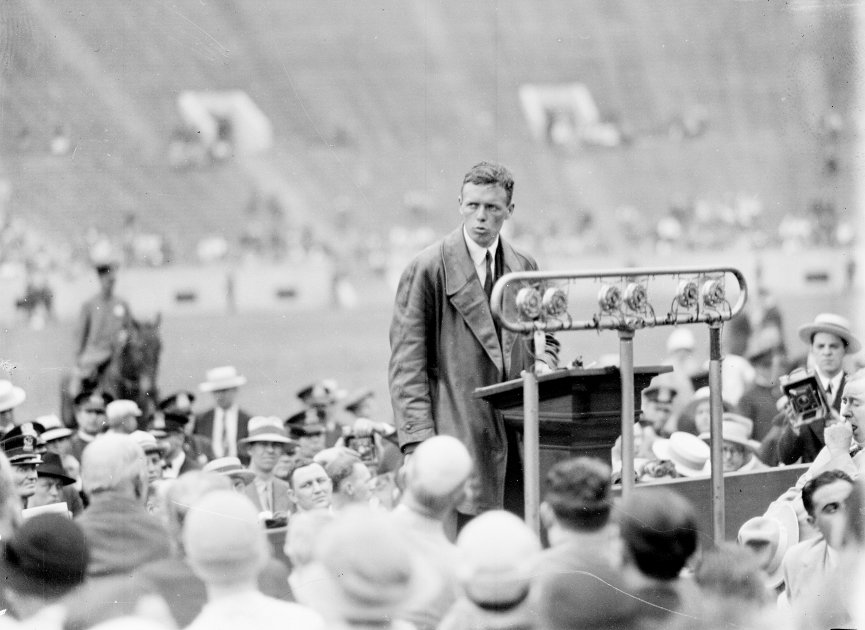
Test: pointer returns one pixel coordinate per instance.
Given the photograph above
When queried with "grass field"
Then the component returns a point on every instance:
(280, 353)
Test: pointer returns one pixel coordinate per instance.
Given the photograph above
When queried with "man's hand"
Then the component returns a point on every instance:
(838, 437)
(789, 413)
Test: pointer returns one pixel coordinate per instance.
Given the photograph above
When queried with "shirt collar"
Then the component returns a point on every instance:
(477, 252)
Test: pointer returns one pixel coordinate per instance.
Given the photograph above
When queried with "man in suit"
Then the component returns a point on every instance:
(225, 424)
(809, 565)
(830, 340)
(266, 442)
(444, 342)
(169, 429)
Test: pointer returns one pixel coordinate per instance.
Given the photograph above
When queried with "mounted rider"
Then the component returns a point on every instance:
(103, 325)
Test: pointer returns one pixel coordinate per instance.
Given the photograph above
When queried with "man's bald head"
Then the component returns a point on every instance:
(437, 473)
(114, 462)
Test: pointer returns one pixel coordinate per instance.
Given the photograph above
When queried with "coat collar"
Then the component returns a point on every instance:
(467, 295)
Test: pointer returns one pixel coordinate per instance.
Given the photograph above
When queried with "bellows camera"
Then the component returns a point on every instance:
(806, 395)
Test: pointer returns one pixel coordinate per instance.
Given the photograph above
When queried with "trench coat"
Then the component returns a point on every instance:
(443, 346)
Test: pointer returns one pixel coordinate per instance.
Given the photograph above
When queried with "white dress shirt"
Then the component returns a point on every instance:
(224, 440)
(479, 256)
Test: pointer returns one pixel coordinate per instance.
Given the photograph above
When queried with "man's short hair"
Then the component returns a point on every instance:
(491, 174)
(110, 461)
(303, 462)
(823, 479)
(341, 468)
(659, 531)
(577, 492)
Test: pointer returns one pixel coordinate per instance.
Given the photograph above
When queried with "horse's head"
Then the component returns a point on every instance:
(141, 352)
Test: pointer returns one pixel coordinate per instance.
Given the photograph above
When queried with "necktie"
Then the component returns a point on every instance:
(488, 281)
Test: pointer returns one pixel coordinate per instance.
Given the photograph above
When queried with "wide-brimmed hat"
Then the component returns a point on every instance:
(657, 386)
(266, 429)
(777, 529)
(680, 339)
(230, 467)
(54, 428)
(687, 452)
(833, 324)
(737, 429)
(220, 378)
(10, 395)
(52, 466)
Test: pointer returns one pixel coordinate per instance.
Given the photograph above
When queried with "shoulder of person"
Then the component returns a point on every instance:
(527, 259)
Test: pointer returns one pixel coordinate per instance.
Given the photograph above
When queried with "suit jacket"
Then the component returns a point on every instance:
(444, 345)
(809, 442)
(279, 499)
(204, 424)
(806, 566)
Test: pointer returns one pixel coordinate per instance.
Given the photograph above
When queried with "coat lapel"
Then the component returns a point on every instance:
(467, 295)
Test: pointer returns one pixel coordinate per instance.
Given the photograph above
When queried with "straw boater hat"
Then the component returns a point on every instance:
(737, 433)
(833, 324)
(687, 452)
(230, 467)
(224, 377)
(10, 395)
(54, 429)
(266, 429)
(775, 532)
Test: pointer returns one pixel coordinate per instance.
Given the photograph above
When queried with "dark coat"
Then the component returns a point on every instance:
(204, 424)
(443, 346)
(809, 442)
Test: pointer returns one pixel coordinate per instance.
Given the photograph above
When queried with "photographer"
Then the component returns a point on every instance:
(830, 340)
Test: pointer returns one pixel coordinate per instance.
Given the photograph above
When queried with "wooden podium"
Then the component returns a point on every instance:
(579, 410)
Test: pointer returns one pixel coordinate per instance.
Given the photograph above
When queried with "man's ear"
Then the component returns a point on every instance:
(292, 496)
(811, 520)
(347, 488)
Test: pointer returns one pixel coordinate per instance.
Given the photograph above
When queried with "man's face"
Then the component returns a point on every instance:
(484, 209)
(264, 455)
(735, 456)
(62, 447)
(90, 417)
(311, 488)
(224, 398)
(48, 491)
(830, 511)
(657, 407)
(311, 445)
(828, 351)
(25, 479)
(107, 280)
(154, 466)
(853, 408)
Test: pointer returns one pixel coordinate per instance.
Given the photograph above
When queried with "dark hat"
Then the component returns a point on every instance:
(103, 398)
(47, 556)
(179, 402)
(355, 398)
(164, 423)
(51, 466)
(23, 445)
(303, 424)
(321, 394)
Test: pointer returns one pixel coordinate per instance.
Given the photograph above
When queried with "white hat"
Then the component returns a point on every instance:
(832, 324)
(230, 467)
(117, 409)
(224, 377)
(10, 395)
(687, 452)
(54, 429)
(266, 429)
(146, 441)
(779, 529)
(680, 339)
(736, 428)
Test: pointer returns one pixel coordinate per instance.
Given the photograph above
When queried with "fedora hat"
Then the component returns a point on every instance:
(223, 377)
(10, 395)
(736, 431)
(230, 467)
(266, 429)
(771, 535)
(687, 452)
(832, 324)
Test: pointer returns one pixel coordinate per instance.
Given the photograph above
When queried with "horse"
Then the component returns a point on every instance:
(131, 372)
